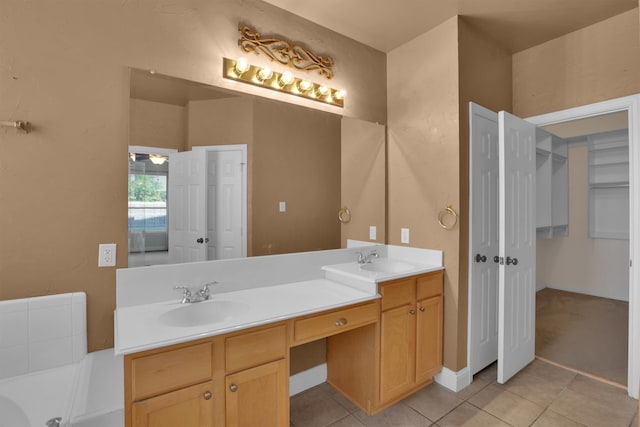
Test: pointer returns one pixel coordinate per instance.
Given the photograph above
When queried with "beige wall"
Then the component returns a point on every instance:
(154, 124)
(63, 187)
(577, 263)
(296, 160)
(363, 183)
(593, 64)
(423, 154)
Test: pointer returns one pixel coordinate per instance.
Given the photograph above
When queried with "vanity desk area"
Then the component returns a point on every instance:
(225, 361)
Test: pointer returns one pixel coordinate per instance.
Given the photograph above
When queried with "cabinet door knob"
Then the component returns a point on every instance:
(412, 311)
(207, 395)
(341, 321)
(421, 308)
(233, 388)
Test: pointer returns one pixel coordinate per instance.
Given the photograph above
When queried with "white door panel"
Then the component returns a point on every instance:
(483, 271)
(517, 242)
(186, 202)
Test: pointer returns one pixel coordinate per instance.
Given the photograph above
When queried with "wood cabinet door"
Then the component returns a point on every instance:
(428, 338)
(190, 406)
(397, 351)
(258, 397)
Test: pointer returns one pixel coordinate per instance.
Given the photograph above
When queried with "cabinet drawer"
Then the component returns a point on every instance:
(326, 324)
(397, 293)
(430, 285)
(254, 348)
(172, 369)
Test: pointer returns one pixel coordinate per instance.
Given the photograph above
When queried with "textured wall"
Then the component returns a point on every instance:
(63, 188)
(593, 64)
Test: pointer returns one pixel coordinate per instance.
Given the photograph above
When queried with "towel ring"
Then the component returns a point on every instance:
(447, 211)
(344, 215)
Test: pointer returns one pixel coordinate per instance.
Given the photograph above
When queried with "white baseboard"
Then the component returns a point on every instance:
(307, 379)
(588, 292)
(540, 286)
(454, 381)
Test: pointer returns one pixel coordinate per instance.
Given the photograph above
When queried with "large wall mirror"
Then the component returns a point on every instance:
(289, 163)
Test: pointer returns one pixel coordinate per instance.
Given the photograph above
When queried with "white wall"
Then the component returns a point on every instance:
(576, 263)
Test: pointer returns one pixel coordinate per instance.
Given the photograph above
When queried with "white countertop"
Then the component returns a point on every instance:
(140, 327)
(353, 273)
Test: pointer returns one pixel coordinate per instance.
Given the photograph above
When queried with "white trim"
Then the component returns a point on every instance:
(245, 199)
(142, 149)
(454, 381)
(574, 290)
(631, 104)
(307, 379)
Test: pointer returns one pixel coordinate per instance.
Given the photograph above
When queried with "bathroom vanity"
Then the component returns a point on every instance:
(384, 342)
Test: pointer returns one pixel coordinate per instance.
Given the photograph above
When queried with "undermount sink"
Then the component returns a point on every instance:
(203, 313)
(388, 266)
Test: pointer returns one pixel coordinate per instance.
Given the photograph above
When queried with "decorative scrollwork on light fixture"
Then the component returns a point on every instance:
(285, 52)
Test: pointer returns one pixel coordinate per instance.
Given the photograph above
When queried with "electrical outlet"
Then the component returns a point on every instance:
(372, 232)
(283, 206)
(106, 255)
(404, 235)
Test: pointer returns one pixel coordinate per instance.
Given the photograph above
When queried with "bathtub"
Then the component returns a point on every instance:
(84, 394)
(46, 372)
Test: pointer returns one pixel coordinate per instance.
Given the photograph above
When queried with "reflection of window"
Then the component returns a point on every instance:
(147, 204)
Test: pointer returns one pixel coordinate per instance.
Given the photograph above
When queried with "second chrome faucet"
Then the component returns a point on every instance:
(189, 296)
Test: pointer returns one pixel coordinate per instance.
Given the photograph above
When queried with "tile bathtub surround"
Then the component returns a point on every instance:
(42, 332)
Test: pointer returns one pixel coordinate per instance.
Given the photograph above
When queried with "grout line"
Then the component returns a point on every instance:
(586, 374)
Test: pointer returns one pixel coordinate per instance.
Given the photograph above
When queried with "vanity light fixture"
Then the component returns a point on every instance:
(240, 70)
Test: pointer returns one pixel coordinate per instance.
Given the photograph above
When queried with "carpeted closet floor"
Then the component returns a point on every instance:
(586, 333)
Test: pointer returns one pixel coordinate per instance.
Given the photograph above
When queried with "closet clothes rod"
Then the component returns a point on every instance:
(18, 124)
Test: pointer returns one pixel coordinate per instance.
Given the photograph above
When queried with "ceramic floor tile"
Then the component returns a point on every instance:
(396, 415)
(615, 398)
(473, 388)
(533, 388)
(490, 373)
(315, 408)
(588, 410)
(552, 419)
(548, 372)
(467, 415)
(348, 421)
(433, 401)
(507, 406)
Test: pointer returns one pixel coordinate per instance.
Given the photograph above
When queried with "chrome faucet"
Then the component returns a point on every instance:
(365, 259)
(188, 296)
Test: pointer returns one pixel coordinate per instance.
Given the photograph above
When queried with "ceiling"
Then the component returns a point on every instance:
(517, 24)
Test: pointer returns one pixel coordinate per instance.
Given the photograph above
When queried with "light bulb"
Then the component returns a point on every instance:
(264, 74)
(285, 79)
(241, 67)
(323, 90)
(304, 85)
(340, 94)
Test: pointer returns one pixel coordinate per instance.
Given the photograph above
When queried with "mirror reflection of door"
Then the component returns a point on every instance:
(147, 205)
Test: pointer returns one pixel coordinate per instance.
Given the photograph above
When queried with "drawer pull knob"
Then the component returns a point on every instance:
(233, 388)
(421, 308)
(412, 311)
(341, 321)
(207, 395)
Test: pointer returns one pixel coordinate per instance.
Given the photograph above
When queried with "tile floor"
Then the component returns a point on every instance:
(542, 395)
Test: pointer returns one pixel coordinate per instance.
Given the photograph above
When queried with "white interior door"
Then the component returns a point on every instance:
(225, 201)
(483, 271)
(517, 243)
(186, 201)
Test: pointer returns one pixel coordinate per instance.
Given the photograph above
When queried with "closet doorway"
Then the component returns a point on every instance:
(482, 327)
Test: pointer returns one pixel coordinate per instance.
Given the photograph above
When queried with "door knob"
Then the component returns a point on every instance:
(233, 388)
(513, 261)
(207, 395)
(412, 312)
(481, 258)
(341, 321)
(422, 308)
(496, 259)
(200, 240)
